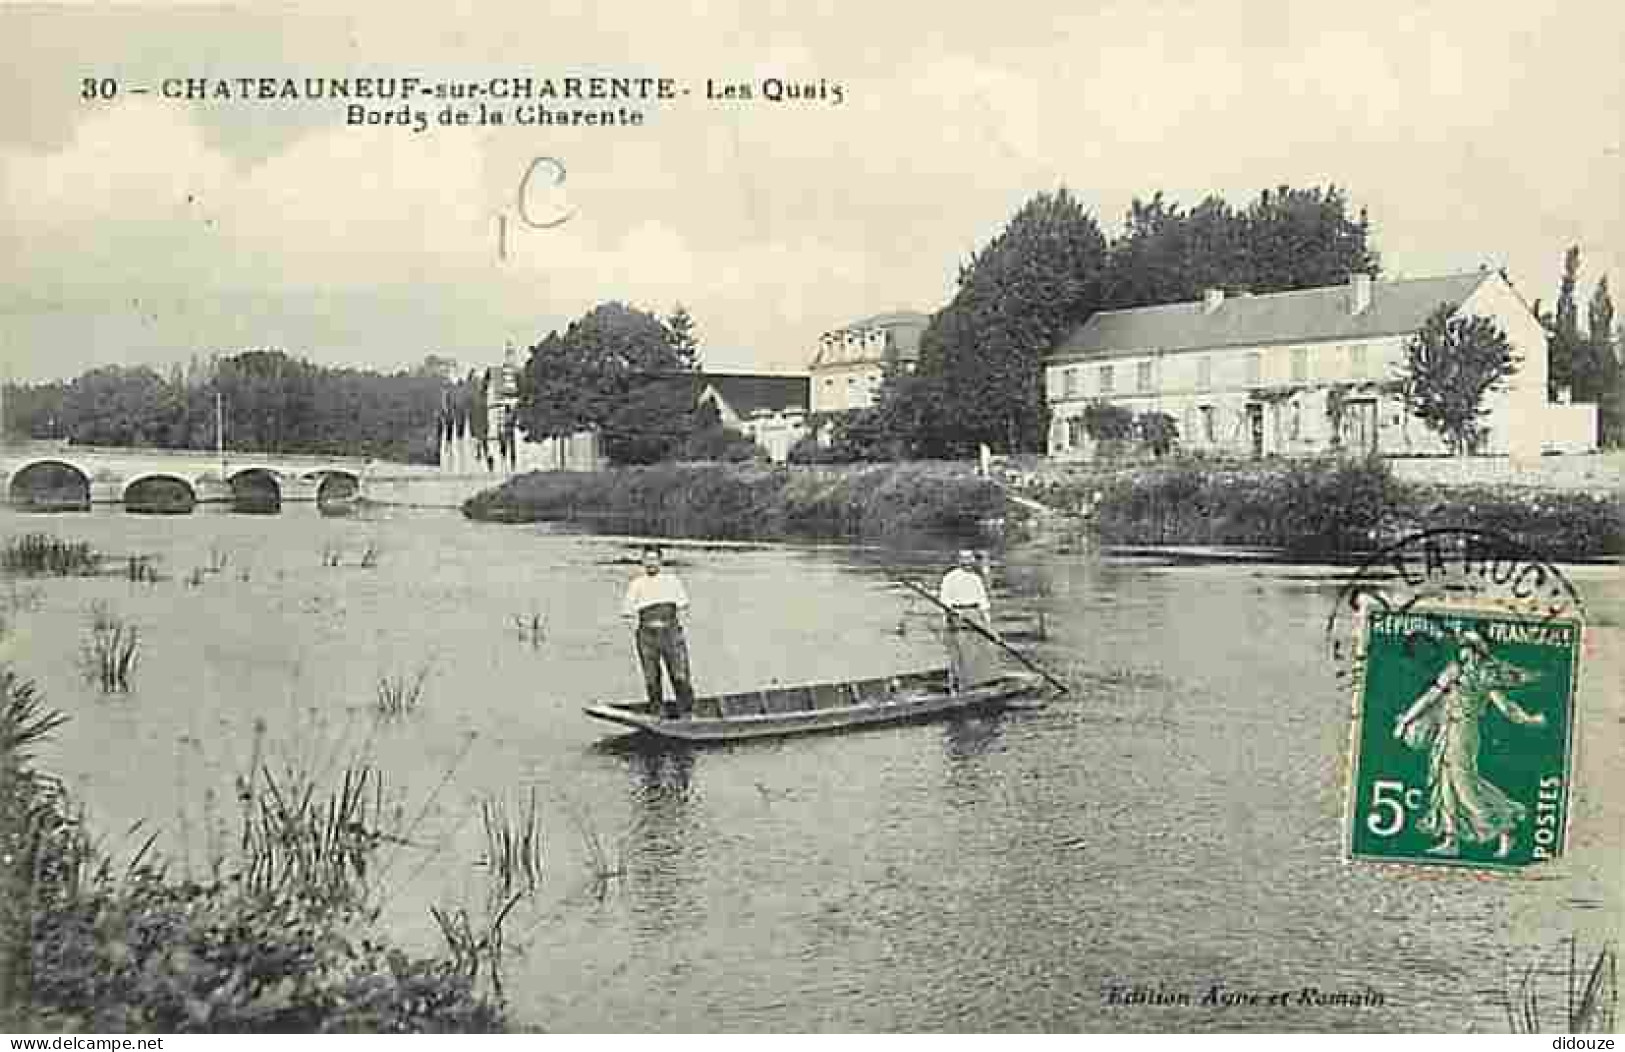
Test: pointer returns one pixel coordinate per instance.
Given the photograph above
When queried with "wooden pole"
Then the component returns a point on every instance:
(989, 636)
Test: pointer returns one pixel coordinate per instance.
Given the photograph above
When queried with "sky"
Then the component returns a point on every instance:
(145, 230)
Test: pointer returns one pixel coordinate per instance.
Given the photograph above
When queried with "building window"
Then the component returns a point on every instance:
(1074, 432)
(1207, 423)
(1142, 376)
(1071, 383)
(1252, 366)
(1357, 361)
(1295, 422)
(1300, 364)
(1105, 379)
(1204, 372)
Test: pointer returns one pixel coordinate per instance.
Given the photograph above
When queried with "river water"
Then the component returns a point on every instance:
(1172, 824)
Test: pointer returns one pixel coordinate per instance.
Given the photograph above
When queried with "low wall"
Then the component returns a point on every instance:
(1588, 472)
(426, 490)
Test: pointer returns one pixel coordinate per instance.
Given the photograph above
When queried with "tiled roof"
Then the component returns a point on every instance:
(1306, 315)
(746, 393)
(903, 329)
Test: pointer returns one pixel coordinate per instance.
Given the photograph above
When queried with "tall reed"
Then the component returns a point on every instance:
(109, 651)
(42, 555)
(513, 847)
(1585, 1002)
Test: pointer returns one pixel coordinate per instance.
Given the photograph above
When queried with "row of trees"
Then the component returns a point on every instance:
(1587, 364)
(272, 402)
(980, 374)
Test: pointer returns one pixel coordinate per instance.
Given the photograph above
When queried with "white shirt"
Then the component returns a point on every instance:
(648, 589)
(961, 587)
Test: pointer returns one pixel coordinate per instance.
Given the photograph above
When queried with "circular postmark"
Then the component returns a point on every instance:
(1455, 566)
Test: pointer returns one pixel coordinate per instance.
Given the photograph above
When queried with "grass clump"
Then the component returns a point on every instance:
(108, 654)
(42, 555)
(399, 693)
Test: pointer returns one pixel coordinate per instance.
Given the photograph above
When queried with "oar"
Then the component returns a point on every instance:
(985, 634)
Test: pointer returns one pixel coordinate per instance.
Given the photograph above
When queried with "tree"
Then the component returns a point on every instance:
(1286, 238)
(117, 406)
(1450, 365)
(981, 358)
(684, 339)
(1157, 431)
(1299, 239)
(583, 380)
(1564, 347)
(1602, 378)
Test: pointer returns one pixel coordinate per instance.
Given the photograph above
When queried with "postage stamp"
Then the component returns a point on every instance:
(1463, 737)
(1464, 658)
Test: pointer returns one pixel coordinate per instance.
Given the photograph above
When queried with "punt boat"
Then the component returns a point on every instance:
(778, 711)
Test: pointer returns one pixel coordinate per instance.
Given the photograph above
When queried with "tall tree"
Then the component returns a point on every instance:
(1449, 366)
(981, 358)
(585, 379)
(1299, 239)
(1564, 346)
(685, 339)
(1286, 238)
(1602, 377)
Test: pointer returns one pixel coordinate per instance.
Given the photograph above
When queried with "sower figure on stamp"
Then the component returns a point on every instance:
(655, 600)
(1462, 803)
(965, 595)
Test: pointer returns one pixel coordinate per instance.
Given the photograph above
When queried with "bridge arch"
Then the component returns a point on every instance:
(49, 484)
(159, 493)
(335, 485)
(255, 490)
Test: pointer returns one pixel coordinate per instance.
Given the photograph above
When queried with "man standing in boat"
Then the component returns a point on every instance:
(655, 599)
(965, 595)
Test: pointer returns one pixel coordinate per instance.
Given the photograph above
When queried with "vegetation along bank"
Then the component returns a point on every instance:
(1303, 507)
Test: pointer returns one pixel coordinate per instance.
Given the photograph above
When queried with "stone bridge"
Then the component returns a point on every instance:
(62, 476)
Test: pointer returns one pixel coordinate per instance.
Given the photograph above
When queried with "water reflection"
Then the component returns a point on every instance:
(662, 847)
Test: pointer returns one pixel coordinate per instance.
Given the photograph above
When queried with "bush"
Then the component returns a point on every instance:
(1305, 507)
(719, 443)
(753, 502)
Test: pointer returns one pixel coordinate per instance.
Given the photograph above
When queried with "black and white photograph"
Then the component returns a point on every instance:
(811, 518)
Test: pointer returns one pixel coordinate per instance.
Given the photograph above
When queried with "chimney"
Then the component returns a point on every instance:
(1359, 293)
(1211, 299)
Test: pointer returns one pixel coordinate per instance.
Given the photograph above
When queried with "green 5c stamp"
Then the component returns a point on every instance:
(1463, 735)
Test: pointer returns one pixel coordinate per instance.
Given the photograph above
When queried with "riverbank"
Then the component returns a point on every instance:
(753, 502)
(280, 940)
(1325, 507)
(1305, 508)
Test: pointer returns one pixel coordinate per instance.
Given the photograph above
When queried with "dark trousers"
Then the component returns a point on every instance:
(665, 645)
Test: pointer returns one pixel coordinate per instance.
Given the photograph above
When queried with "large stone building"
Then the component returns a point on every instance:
(1302, 372)
(852, 360)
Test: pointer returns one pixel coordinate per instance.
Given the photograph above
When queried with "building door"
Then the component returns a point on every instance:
(1360, 426)
(1255, 429)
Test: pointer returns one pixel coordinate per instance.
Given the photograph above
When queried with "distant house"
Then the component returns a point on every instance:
(770, 408)
(852, 360)
(1301, 372)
